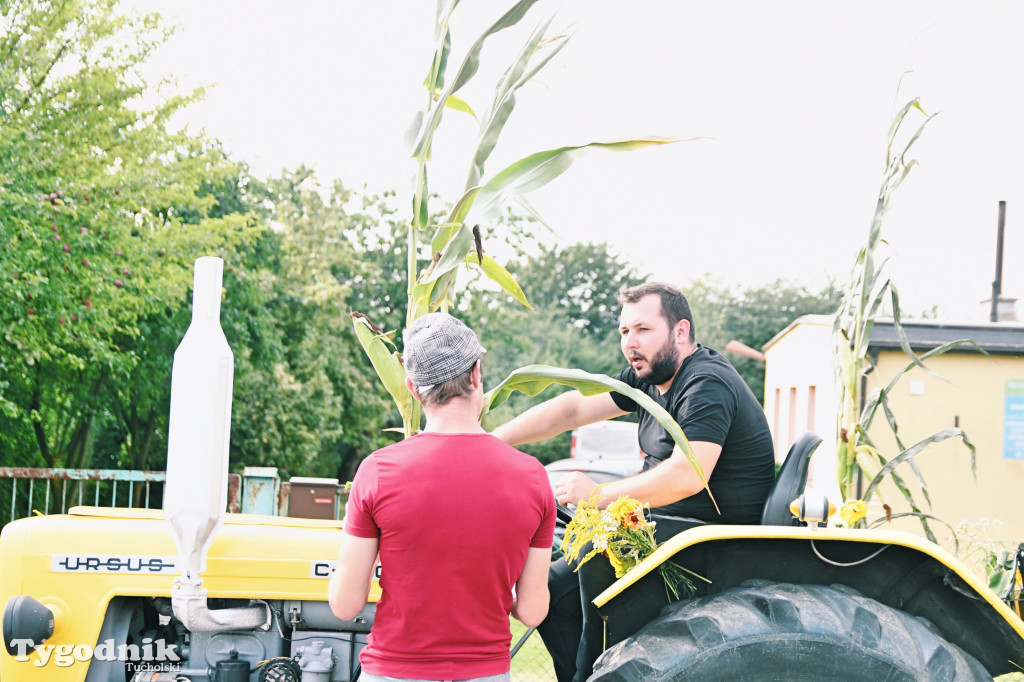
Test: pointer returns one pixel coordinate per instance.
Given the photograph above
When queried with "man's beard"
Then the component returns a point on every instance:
(663, 365)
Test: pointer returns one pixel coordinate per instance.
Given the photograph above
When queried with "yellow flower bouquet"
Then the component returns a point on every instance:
(625, 534)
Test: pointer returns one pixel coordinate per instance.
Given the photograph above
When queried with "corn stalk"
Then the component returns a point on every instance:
(868, 291)
(457, 241)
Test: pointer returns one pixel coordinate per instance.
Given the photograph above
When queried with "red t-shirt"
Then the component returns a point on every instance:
(456, 515)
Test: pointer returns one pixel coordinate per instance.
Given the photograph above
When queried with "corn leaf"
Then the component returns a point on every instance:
(536, 170)
(919, 515)
(517, 75)
(879, 395)
(458, 104)
(413, 131)
(461, 209)
(499, 275)
(441, 291)
(435, 78)
(420, 198)
(914, 467)
(436, 282)
(452, 254)
(533, 379)
(443, 235)
(467, 70)
(532, 212)
(917, 448)
(388, 366)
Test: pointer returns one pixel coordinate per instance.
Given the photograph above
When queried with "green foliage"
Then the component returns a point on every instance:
(102, 209)
(752, 315)
(304, 401)
(580, 283)
(989, 559)
(457, 241)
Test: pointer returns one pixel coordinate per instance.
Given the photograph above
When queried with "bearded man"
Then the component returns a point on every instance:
(721, 418)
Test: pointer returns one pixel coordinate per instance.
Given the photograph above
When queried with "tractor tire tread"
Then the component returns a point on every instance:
(766, 631)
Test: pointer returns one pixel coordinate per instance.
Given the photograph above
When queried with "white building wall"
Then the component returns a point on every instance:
(800, 395)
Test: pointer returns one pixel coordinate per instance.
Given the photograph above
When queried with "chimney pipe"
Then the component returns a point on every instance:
(997, 284)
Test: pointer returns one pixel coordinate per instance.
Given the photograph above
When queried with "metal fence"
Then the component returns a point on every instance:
(25, 491)
(531, 662)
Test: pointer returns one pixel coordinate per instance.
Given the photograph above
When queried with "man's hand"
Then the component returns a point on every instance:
(573, 488)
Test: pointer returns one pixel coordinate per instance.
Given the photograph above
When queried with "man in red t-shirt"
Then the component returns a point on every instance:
(458, 553)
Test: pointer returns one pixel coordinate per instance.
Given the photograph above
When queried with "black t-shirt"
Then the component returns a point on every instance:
(711, 402)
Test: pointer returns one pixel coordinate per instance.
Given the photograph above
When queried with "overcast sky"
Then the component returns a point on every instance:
(797, 98)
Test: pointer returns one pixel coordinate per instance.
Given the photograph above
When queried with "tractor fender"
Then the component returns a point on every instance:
(897, 569)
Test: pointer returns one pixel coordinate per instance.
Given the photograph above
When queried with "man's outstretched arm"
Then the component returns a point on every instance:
(558, 415)
(672, 480)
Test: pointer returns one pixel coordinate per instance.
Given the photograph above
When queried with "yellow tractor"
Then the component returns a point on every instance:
(192, 594)
(96, 595)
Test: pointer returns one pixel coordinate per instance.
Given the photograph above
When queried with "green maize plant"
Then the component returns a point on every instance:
(455, 242)
(866, 295)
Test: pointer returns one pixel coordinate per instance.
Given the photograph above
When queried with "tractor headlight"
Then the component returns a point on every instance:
(26, 618)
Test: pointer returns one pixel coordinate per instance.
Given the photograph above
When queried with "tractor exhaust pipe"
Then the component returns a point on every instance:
(198, 436)
(188, 599)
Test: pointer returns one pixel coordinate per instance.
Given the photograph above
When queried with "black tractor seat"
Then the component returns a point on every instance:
(790, 482)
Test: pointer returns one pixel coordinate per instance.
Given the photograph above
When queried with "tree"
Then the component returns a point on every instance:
(752, 316)
(306, 401)
(103, 210)
(580, 283)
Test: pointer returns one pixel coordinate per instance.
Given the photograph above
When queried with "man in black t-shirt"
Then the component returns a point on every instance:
(722, 420)
(712, 404)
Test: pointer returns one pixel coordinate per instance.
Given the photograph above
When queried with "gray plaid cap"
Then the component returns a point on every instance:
(438, 348)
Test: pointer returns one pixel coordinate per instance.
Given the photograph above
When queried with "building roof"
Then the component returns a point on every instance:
(818, 320)
(923, 335)
(992, 337)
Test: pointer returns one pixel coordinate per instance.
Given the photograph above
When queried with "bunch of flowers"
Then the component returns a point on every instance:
(624, 533)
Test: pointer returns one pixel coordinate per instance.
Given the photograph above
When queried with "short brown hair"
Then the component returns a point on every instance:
(674, 306)
(447, 390)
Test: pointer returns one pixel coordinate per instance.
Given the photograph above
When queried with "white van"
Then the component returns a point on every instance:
(607, 440)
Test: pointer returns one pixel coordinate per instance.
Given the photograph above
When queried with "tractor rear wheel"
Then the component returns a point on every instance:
(765, 631)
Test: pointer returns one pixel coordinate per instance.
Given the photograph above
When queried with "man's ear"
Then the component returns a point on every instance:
(412, 389)
(477, 377)
(683, 331)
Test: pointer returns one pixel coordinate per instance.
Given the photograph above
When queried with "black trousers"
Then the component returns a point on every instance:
(573, 631)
